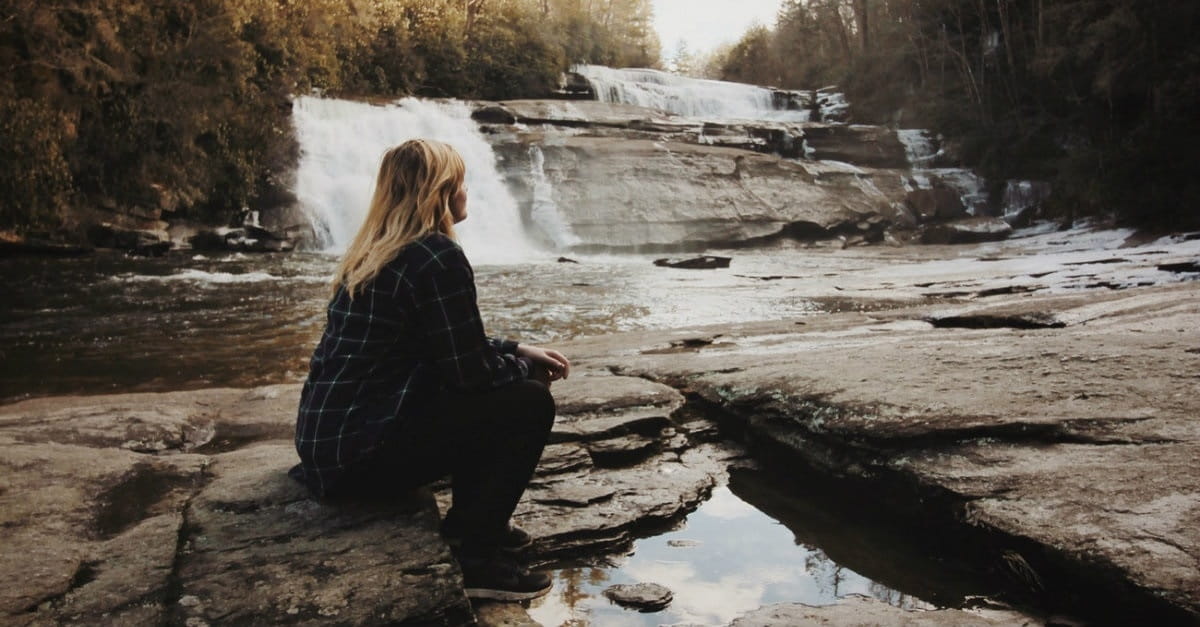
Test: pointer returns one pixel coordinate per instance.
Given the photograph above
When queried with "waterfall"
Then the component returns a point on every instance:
(691, 97)
(922, 152)
(545, 213)
(342, 142)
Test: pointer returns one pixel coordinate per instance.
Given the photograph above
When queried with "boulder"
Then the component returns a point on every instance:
(494, 114)
(247, 239)
(966, 231)
(644, 597)
(142, 242)
(939, 203)
(869, 146)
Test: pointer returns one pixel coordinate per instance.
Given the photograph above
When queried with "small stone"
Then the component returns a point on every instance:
(189, 601)
(683, 544)
(644, 597)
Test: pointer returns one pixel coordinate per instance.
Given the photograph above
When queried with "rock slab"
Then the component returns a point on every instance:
(644, 597)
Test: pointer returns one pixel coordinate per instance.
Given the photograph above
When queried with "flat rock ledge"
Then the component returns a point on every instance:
(1067, 449)
(1065, 452)
(175, 508)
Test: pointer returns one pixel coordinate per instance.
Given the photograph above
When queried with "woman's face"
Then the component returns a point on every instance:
(458, 204)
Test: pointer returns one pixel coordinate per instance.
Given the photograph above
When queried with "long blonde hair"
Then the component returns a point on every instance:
(417, 181)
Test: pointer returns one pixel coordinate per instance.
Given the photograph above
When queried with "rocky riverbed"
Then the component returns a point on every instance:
(1052, 438)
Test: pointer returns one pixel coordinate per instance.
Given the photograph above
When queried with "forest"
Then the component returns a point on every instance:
(130, 109)
(1096, 96)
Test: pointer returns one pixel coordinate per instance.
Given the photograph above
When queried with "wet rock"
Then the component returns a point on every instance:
(12, 245)
(644, 597)
(870, 146)
(859, 611)
(706, 262)
(494, 114)
(939, 203)
(1026, 320)
(1023, 200)
(967, 231)
(566, 260)
(245, 239)
(143, 242)
(575, 85)
(666, 192)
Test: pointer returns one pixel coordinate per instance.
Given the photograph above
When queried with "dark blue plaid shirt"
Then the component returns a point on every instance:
(411, 333)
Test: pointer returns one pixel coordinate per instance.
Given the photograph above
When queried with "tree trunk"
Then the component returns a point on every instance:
(864, 37)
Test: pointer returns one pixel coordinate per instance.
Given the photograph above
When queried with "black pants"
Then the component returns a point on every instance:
(488, 442)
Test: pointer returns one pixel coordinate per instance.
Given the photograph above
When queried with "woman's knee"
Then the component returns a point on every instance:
(534, 405)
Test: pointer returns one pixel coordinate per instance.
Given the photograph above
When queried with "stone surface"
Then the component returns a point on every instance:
(115, 525)
(1078, 439)
(858, 611)
(646, 597)
(1062, 426)
(175, 508)
(966, 231)
(259, 549)
(939, 202)
(628, 177)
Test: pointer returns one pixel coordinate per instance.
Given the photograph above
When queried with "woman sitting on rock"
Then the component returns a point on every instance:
(405, 388)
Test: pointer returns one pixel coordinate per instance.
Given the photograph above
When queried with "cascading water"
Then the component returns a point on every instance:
(341, 143)
(922, 153)
(691, 97)
(545, 211)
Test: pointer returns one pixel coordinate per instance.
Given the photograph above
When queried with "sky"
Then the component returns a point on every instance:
(706, 24)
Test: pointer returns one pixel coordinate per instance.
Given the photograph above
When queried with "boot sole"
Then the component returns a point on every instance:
(506, 595)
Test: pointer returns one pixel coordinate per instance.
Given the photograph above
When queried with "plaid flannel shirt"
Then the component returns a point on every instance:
(411, 333)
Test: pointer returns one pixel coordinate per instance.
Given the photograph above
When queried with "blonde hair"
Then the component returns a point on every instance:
(413, 193)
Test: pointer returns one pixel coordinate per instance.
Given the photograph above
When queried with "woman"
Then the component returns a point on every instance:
(405, 388)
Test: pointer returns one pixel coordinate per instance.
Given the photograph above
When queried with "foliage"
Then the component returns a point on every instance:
(145, 106)
(1096, 95)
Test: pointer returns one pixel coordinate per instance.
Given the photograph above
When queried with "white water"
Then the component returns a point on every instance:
(692, 97)
(545, 213)
(919, 148)
(342, 142)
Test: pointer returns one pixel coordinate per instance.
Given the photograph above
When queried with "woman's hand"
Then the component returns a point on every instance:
(553, 362)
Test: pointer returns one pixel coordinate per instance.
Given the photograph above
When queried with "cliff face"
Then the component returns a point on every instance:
(612, 176)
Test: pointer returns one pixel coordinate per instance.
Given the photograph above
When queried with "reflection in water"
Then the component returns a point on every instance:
(727, 559)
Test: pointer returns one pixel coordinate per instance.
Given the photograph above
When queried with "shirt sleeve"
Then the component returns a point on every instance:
(507, 347)
(450, 324)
